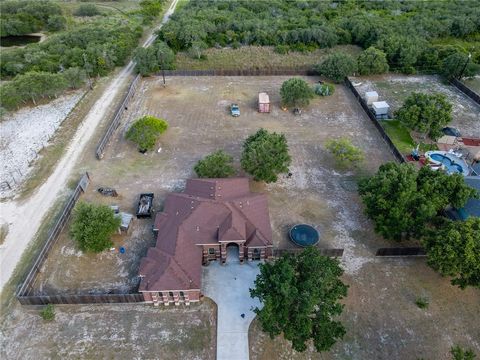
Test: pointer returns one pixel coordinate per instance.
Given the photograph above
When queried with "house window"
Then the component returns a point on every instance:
(170, 294)
(256, 254)
(182, 295)
(211, 251)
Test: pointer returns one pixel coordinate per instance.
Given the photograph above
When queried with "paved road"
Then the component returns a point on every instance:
(228, 286)
(25, 218)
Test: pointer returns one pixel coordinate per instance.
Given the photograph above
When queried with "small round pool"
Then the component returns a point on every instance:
(304, 235)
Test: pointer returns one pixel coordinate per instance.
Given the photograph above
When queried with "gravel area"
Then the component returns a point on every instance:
(24, 133)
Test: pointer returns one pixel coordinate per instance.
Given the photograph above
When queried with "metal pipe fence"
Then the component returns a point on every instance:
(116, 118)
(466, 90)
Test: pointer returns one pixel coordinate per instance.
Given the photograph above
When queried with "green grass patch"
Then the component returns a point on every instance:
(402, 139)
(399, 134)
(256, 57)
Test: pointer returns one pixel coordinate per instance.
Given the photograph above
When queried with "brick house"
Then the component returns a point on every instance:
(196, 227)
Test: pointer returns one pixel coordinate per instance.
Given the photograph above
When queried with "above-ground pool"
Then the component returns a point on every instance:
(304, 235)
(452, 163)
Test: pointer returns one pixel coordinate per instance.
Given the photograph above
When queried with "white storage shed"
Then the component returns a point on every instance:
(380, 108)
(371, 97)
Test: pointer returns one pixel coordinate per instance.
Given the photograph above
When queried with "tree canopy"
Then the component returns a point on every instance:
(145, 132)
(403, 201)
(150, 60)
(300, 297)
(92, 226)
(345, 153)
(453, 249)
(337, 66)
(372, 61)
(425, 113)
(458, 65)
(265, 155)
(216, 165)
(296, 92)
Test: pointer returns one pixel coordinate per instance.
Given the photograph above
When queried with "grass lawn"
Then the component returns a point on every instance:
(256, 57)
(399, 134)
(401, 137)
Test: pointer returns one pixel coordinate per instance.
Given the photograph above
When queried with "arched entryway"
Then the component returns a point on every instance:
(233, 253)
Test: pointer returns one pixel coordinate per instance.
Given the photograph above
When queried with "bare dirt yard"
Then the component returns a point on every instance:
(381, 317)
(111, 332)
(395, 88)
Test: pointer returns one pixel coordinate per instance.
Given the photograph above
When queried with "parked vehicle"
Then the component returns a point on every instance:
(451, 131)
(234, 110)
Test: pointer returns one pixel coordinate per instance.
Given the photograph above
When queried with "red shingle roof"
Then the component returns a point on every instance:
(208, 211)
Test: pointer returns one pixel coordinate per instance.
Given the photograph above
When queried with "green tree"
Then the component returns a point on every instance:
(56, 23)
(402, 50)
(265, 155)
(372, 61)
(453, 66)
(48, 313)
(156, 57)
(453, 249)
(151, 8)
(216, 165)
(337, 66)
(459, 354)
(145, 132)
(86, 10)
(300, 297)
(402, 202)
(296, 92)
(92, 226)
(75, 77)
(197, 49)
(345, 153)
(425, 113)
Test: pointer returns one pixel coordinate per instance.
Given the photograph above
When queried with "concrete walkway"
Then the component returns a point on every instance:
(228, 286)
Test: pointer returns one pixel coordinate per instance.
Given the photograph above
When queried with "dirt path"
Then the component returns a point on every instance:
(25, 218)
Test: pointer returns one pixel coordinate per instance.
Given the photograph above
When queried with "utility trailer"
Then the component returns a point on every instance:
(145, 204)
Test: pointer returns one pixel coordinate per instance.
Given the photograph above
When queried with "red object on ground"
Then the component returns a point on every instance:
(471, 141)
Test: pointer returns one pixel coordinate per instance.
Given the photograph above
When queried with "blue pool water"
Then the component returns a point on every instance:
(304, 235)
(451, 166)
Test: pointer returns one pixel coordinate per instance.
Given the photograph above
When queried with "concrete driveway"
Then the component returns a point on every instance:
(228, 286)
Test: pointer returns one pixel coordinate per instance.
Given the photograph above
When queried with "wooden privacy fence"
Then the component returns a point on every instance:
(291, 71)
(81, 299)
(466, 90)
(116, 118)
(398, 155)
(406, 251)
(29, 281)
(295, 251)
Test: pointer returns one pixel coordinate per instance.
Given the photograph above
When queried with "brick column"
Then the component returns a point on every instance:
(250, 254)
(223, 253)
(241, 253)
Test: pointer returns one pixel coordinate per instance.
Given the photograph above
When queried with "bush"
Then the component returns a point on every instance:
(92, 226)
(422, 302)
(216, 165)
(48, 313)
(458, 64)
(324, 89)
(145, 132)
(459, 354)
(154, 58)
(75, 77)
(337, 66)
(86, 10)
(372, 61)
(296, 92)
(344, 152)
(265, 155)
(282, 49)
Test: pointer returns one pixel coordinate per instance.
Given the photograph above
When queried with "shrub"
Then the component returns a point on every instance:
(459, 354)
(216, 165)
(145, 132)
(296, 92)
(324, 89)
(337, 66)
(87, 10)
(92, 226)
(48, 313)
(344, 152)
(282, 49)
(422, 302)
